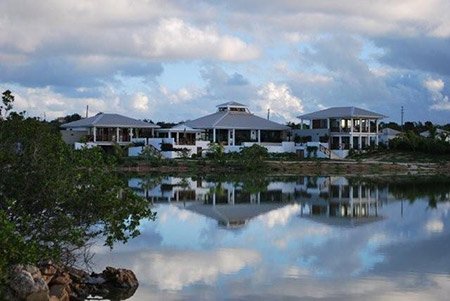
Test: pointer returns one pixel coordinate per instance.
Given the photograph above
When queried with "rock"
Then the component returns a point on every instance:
(62, 278)
(48, 270)
(59, 291)
(120, 278)
(27, 283)
(62, 283)
(38, 296)
(77, 275)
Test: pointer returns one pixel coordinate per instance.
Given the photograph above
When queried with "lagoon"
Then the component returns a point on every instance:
(290, 238)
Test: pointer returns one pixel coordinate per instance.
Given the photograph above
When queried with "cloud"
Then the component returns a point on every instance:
(403, 18)
(174, 270)
(140, 102)
(174, 38)
(434, 226)
(428, 54)
(280, 216)
(279, 99)
(435, 87)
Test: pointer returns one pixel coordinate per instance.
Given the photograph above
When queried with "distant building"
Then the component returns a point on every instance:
(387, 134)
(105, 130)
(233, 124)
(439, 134)
(341, 128)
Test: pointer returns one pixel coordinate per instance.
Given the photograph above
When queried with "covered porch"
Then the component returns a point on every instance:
(237, 137)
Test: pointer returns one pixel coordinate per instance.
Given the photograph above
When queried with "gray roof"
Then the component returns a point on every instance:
(109, 120)
(345, 222)
(235, 120)
(438, 132)
(390, 132)
(341, 112)
(234, 213)
(182, 127)
(231, 104)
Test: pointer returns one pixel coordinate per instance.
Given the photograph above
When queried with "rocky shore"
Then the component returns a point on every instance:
(51, 282)
(311, 167)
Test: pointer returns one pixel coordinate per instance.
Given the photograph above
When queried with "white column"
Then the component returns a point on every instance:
(117, 134)
(376, 131)
(95, 134)
(359, 142)
(360, 125)
(328, 123)
(214, 135)
(178, 138)
(130, 132)
(234, 137)
(259, 136)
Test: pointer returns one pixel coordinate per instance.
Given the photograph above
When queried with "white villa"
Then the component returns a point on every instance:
(233, 126)
(387, 134)
(341, 128)
(438, 134)
(105, 130)
(331, 134)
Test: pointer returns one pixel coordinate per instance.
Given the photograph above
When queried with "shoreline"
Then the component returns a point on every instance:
(307, 167)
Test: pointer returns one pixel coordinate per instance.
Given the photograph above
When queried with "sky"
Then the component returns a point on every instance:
(175, 60)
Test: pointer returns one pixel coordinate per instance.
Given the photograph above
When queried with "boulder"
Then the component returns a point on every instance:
(27, 283)
(48, 270)
(120, 278)
(59, 291)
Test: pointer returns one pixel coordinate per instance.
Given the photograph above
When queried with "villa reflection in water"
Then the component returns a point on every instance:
(332, 200)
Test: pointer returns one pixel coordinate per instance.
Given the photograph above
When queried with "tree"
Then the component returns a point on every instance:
(7, 101)
(54, 199)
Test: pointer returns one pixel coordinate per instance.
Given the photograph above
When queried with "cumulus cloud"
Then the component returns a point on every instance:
(435, 87)
(279, 99)
(174, 38)
(140, 102)
(434, 226)
(182, 95)
(280, 216)
(175, 270)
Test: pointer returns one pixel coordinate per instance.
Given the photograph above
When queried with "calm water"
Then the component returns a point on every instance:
(321, 238)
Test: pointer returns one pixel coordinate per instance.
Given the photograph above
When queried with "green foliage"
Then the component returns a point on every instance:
(151, 155)
(53, 199)
(253, 157)
(312, 151)
(183, 152)
(412, 142)
(7, 101)
(215, 150)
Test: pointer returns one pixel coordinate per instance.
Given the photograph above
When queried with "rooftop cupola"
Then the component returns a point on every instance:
(233, 106)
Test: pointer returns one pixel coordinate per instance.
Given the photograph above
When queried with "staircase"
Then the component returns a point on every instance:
(329, 153)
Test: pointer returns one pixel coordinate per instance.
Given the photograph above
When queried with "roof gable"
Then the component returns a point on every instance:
(109, 120)
(236, 120)
(231, 104)
(342, 112)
